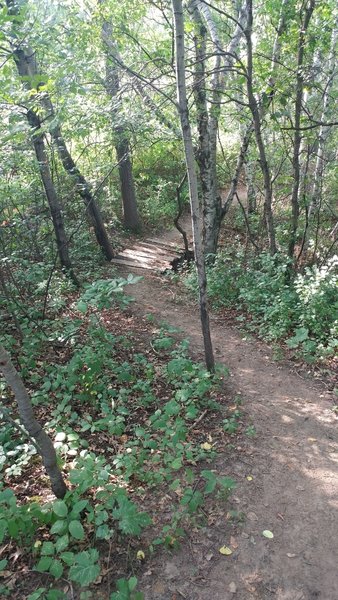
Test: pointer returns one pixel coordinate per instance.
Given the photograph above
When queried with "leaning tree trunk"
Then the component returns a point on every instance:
(29, 421)
(51, 195)
(122, 146)
(192, 179)
(25, 62)
(82, 185)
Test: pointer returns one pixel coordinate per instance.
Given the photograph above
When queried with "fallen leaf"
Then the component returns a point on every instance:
(268, 534)
(233, 542)
(140, 555)
(5, 574)
(206, 446)
(225, 550)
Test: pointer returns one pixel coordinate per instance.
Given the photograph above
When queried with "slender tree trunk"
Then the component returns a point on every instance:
(250, 128)
(52, 197)
(130, 211)
(239, 165)
(305, 20)
(28, 420)
(258, 133)
(192, 179)
(223, 62)
(25, 62)
(211, 207)
(251, 191)
(323, 131)
(82, 185)
(27, 67)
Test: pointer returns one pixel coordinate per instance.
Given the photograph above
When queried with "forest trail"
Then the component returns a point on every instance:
(293, 462)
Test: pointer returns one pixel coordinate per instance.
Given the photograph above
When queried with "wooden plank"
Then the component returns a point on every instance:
(130, 265)
(156, 265)
(156, 248)
(171, 245)
(130, 252)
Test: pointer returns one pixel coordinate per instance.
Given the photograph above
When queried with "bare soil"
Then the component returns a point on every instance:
(287, 474)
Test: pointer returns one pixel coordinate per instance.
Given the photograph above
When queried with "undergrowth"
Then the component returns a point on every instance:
(302, 310)
(126, 408)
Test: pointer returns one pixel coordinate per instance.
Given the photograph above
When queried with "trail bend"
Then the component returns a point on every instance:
(293, 461)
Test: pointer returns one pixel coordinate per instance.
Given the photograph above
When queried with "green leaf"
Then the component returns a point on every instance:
(68, 558)
(47, 549)
(78, 507)
(59, 527)
(85, 570)
(62, 543)
(301, 334)
(60, 508)
(130, 520)
(56, 569)
(176, 464)
(76, 530)
(44, 564)
(132, 583)
(3, 564)
(3, 529)
(82, 306)
(211, 481)
(37, 594)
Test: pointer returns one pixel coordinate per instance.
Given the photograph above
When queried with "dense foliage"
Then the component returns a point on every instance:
(92, 151)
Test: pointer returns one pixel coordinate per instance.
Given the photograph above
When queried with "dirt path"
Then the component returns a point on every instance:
(293, 461)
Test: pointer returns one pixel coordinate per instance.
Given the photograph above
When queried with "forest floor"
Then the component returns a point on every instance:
(286, 474)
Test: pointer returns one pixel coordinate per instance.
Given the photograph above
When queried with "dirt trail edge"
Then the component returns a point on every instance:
(293, 461)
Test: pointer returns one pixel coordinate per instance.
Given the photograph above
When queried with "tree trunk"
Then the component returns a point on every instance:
(52, 197)
(112, 83)
(297, 122)
(323, 131)
(82, 185)
(28, 420)
(239, 165)
(130, 212)
(192, 180)
(211, 207)
(25, 62)
(259, 138)
(207, 155)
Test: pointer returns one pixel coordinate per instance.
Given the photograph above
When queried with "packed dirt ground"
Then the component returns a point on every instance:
(286, 474)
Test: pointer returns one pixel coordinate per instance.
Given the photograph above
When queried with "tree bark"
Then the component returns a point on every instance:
(211, 205)
(192, 180)
(323, 131)
(258, 134)
(305, 20)
(208, 128)
(82, 185)
(28, 420)
(25, 62)
(122, 146)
